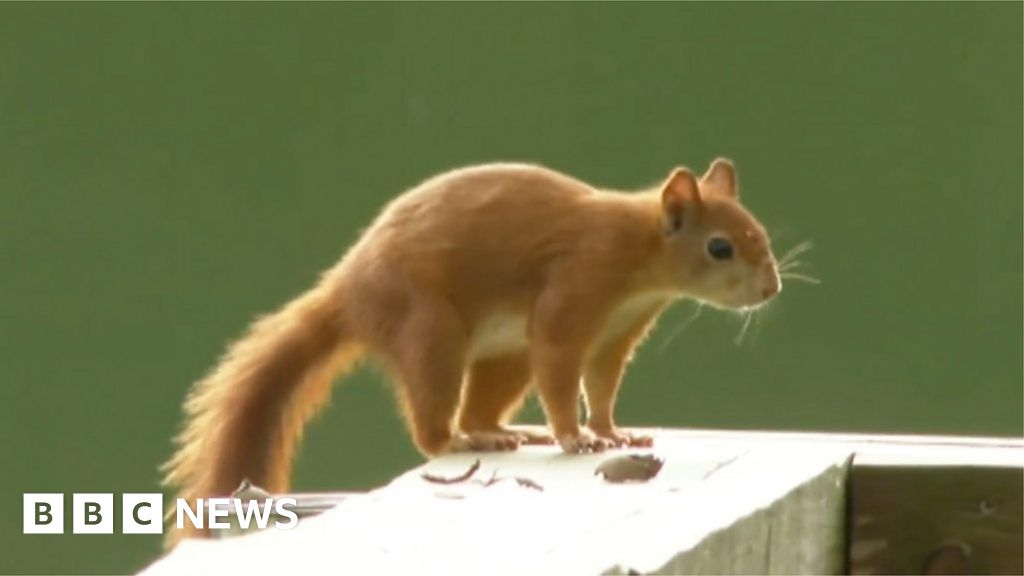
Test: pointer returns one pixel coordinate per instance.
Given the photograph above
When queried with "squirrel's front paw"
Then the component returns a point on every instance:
(583, 443)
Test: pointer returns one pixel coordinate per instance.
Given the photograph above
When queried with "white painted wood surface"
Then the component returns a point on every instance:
(721, 504)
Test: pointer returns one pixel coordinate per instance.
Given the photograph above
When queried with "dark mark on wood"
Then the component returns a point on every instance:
(455, 479)
(527, 483)
(717, 467)
(630, 468)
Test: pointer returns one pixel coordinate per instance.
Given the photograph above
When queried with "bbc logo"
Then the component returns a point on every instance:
(92, 513)
(143, 513)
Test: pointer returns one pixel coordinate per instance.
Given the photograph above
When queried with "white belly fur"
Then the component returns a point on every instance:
(628, 313)
(497, 335)
(501, 334)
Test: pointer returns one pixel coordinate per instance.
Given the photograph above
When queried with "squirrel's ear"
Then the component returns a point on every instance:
(721, 176)
(680, 199)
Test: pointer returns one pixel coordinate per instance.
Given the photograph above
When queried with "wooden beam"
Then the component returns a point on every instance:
(725, 502)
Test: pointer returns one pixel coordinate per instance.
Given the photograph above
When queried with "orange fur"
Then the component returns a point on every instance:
(505, 276)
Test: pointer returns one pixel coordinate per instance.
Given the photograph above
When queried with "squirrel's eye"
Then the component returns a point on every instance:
(719, 248)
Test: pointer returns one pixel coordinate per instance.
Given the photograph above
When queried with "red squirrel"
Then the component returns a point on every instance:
(470, 290)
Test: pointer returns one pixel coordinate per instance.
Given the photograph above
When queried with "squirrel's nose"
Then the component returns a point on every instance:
(774, 283)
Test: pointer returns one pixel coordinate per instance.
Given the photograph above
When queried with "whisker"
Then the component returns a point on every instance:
(743, 330)
(795, 251)
(799, 277)
(791, 265)
(679, 329)
(755, 332)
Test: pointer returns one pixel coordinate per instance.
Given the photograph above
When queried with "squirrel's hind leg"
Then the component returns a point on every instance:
(426, 361)
(495, 390)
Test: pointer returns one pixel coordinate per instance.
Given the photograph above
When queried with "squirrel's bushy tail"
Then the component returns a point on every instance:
(246, 417)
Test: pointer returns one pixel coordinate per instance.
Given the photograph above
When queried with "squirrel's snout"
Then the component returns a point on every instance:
(773, 284)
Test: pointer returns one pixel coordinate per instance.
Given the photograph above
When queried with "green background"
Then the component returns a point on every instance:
(169, 171)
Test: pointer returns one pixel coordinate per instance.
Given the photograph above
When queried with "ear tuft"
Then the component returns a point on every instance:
(679, 195)
(721, 176)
